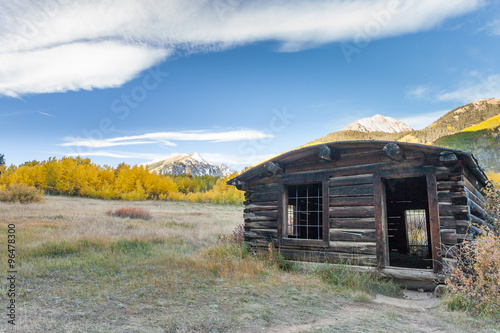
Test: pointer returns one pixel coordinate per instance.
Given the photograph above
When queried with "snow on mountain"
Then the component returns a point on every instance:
(378, 123)
(195, 164)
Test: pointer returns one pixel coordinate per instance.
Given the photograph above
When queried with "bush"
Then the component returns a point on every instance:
(133, 213)
(473, 279)
(22, 194)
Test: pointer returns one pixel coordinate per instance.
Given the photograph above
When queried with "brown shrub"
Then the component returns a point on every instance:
(21, 194)
(133, 213)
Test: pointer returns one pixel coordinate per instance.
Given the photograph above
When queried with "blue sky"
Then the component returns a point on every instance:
(237, 81)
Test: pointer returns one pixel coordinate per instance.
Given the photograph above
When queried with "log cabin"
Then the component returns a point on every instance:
(389, 207)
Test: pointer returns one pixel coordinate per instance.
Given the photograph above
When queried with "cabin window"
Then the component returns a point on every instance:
(305, 212)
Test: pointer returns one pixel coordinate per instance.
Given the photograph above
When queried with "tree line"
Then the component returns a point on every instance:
(76, 176)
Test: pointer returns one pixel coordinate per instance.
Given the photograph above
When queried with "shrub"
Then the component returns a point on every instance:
(22, 194)
(473, 278)
(133, 213)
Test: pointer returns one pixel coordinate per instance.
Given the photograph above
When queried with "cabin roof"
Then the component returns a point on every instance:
(311, 152)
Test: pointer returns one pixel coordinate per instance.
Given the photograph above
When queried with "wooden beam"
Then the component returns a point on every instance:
(394, 152)
(363, 235)
(352, 191)
(380, 214)
(351, 180)
(273, 168)
(434, 227)
(448, 158)
(324, 153)
(326, 208)
(351, 201)
(357, 211)
(352, 223)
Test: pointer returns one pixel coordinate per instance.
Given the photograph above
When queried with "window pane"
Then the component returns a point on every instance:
(305, 216)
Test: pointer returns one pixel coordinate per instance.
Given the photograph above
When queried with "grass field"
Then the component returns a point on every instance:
(81, 270)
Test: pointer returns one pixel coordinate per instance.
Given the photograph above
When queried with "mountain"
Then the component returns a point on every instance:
(194, 164)
(472, 127)
(378, 123)
(482, 139)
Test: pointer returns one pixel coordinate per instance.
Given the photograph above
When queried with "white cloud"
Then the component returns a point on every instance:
(423, 120)
(165, 138)
(476, 87)
(115, 154)
(236, 159)
(73, 67)
(105, 43)
(418, 93)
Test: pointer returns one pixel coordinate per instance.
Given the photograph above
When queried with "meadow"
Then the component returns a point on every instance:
(83, 270)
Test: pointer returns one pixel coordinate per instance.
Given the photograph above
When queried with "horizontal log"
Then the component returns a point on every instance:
(452, 210)
(353, 247)
(449, 173)
(448, 236)
(352, 212)
(258, 208)
(321, 256)
(462, 226)
(268, 214)
(447, 222)
(351, 201)
(263, 197)
(303, 243)
(351, 180)
(478, 211)
(468, 185)
(454, 186)
(260, 233)
(352, 223)
(472, 196)
(273, 187)
(480, 222)
(363, 235)
(469, 178)
(351, 191)
(262, 225)
(456, 198)
(247, 203)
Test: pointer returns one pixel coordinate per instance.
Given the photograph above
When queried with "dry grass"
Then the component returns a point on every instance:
(81, 270)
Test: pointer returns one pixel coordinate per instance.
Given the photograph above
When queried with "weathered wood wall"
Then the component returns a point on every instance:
(352, 233)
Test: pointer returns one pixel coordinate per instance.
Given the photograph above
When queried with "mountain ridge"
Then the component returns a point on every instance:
(378, 123)
(194, 164)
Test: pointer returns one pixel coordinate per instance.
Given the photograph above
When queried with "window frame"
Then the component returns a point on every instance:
(304, 179)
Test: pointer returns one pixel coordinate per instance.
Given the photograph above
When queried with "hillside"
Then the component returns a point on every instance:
(482, 139)
(472, 127)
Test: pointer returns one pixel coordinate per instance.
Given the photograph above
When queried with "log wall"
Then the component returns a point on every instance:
(352, 234)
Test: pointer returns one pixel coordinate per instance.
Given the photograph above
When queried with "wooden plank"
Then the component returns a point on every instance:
(456, 198)
(351, 191)
(472, 196)
(360, 235)
(260, 233)
(468, 185)
(435, 236)
(261, 225)
(478, 211)
(259, 219)
(480, 222)
(354, 247)
(351, 201)
(448, 236)
(268, 214)
(322, 256)
(462, 226)
(304, 178)
(259, 208)
(272, 187)
(303, 243)
(282, 207)
(454, 186)
(459, 212)
(325, 207)
(380, 214)
(472, 180)
(351, 180)
(247, 203)
(447, 222)
(352, 223)
(352, 212)
(263, 197)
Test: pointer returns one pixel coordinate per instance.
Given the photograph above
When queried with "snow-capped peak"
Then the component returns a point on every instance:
(194, 164)
(378, 123)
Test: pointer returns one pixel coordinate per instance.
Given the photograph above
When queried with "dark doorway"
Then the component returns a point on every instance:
(408, 228)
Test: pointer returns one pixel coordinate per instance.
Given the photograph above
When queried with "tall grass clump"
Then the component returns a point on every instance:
(473, 279)
(133, 213)
(347, 280)
(20, 193)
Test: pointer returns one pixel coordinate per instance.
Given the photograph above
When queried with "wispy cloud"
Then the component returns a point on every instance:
(418, 93)
(423, 120)
(475, 87)
(116, 154)
(492, 28)
(56, 46)
(46, 114)
(166, 138)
